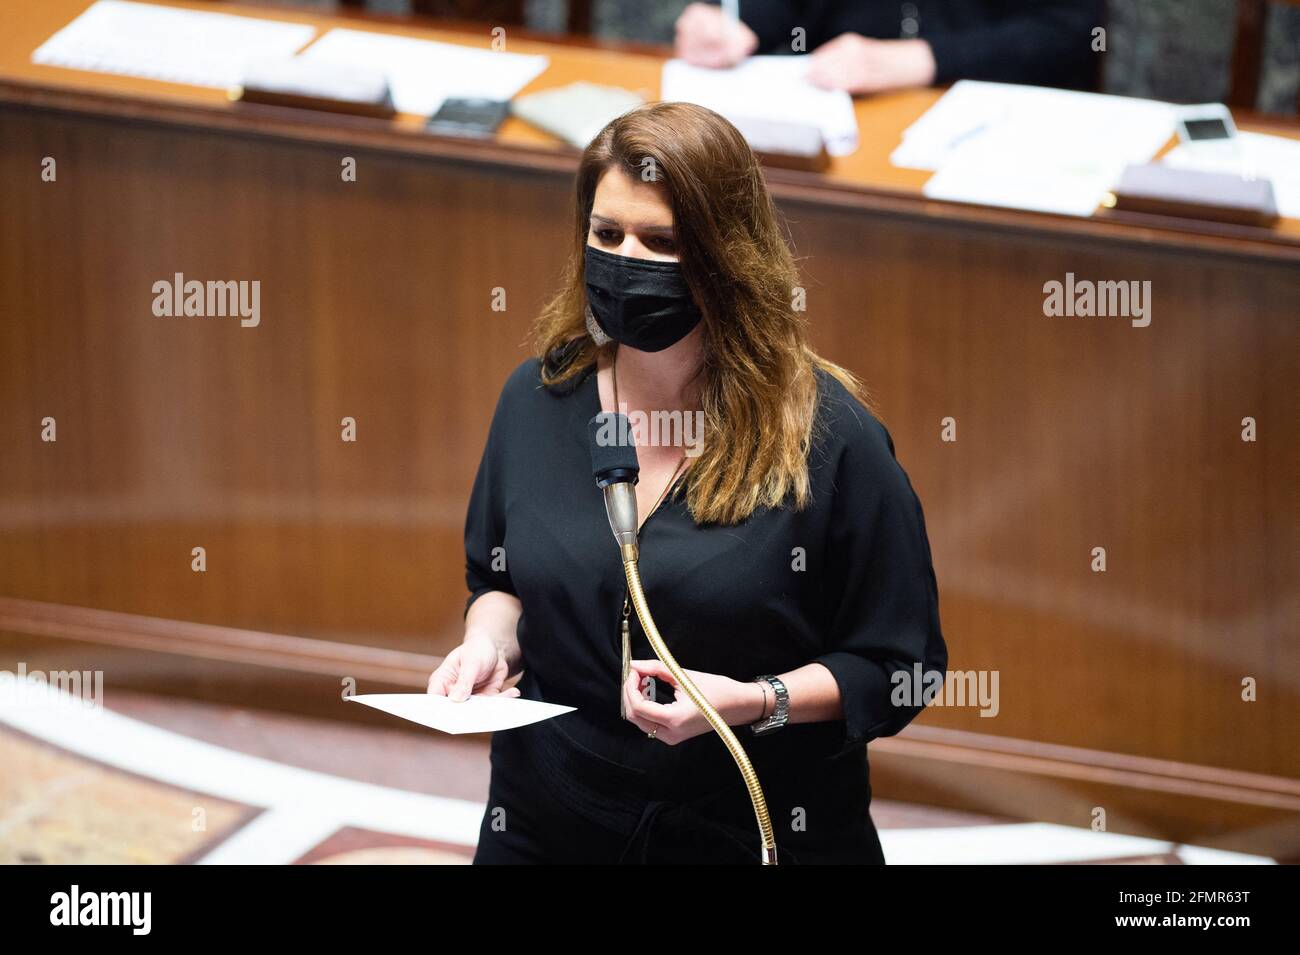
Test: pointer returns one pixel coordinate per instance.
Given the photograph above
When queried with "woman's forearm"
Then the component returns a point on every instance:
(814, 697)
(495, 617)
(816, 692)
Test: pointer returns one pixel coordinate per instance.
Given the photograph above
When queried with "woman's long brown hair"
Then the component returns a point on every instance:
(759, 391)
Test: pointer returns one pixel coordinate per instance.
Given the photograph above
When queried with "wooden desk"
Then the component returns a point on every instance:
(329, 560)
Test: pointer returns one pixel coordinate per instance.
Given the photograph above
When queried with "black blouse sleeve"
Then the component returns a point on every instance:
(883, 599)
(486, 565)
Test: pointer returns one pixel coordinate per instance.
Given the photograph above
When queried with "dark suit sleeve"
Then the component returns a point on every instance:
(772, 21)
(1040, 42)
(486, 567)
(880, 586)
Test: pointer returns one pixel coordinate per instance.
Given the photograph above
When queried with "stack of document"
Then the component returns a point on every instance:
(217, 49)
(767, 87)
(423, 73)
(169, 43)
(1029, 147)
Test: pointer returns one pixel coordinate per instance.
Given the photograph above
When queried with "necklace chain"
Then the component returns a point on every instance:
(671, 480)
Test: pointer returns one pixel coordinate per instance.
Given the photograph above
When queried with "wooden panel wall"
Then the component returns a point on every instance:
(376, 303)
(1075, 433)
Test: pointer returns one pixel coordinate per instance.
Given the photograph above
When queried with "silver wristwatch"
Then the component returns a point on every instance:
(782, 712)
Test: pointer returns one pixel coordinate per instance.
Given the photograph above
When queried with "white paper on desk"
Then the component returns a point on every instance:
(1260, 156)
(423, 73)
(167, 43)
(1026, 166)
(1095, 125)
(1028, 147)
(767, 87)
(477, 714)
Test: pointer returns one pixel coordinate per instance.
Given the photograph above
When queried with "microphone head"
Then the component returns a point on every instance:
(613, 451)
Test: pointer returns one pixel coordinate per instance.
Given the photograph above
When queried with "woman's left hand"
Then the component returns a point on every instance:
(736, 702)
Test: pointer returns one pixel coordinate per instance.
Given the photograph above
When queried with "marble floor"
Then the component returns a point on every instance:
(148, 779)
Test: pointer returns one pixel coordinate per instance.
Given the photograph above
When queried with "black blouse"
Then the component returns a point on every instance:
(846, 582)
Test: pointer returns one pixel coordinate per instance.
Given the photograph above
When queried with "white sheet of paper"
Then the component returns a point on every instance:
(1026, 165)
(1260, 156)
(478, 714)
(423, 73)
(1121, 127)
(166, 43)
(1028, 147)
(767, 87)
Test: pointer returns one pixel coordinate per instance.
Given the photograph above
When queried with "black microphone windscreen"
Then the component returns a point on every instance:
(613, 450)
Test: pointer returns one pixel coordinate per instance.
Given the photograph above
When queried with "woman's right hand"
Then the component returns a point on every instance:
(474, 667)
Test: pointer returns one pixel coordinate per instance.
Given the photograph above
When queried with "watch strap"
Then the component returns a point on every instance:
(780, 713)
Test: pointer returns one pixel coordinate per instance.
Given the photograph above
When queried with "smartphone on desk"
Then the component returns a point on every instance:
(468, 116)
(1207, 130)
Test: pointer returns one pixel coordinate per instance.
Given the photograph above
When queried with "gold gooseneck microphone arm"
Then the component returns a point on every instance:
(615, 467)
(629, 555)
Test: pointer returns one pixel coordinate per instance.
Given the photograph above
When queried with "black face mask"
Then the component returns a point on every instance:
(639, 303)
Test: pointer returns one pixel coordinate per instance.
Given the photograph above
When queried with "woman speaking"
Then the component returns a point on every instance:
(782, 548)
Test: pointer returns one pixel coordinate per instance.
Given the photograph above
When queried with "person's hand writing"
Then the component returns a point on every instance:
(476, 666)
(708, 37)
(736, 702)
(858, 64)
